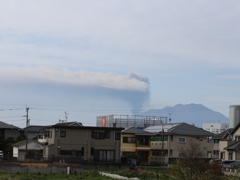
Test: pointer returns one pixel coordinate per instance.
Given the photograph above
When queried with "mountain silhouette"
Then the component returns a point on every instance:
(196, 114)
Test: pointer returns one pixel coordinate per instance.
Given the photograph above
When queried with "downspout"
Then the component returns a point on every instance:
(168, 148)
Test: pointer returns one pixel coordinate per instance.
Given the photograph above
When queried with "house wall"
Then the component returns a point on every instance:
(128, 147)
(80, 139)
(142, 151)
(222, 146)
(203, 142)
(236, 133)
(172, 146)
(50, 140)
(15, 152)
(11, 133)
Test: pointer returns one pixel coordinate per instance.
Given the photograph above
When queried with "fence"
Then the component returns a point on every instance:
(62, 160)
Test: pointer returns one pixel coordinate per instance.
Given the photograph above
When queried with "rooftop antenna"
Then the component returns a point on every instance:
(66, 116)
(169, 117)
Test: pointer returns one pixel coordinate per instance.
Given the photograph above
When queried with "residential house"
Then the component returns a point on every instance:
(7, 131)
(136, 142)
(229, 145)
(170, 138)
(91, 144)
(224, 137)
(19, 149)
(36, 132)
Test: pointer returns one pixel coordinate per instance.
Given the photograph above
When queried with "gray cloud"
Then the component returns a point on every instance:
(46, 85)
(131, 82)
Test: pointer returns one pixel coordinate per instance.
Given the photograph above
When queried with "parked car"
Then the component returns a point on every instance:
(1, 155)
(230, 163)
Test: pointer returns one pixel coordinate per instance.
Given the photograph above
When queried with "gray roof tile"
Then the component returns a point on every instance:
(7, 126)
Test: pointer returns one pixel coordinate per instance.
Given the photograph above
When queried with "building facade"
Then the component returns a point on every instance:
(234, 115)
(229, 145)
(215, 128)
(127, 121)
(171, 138)
(136, 143)
(91, 144)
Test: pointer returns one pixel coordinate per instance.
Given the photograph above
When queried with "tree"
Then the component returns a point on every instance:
(192, 165)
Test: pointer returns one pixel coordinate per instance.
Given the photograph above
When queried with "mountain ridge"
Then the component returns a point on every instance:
(189, 113)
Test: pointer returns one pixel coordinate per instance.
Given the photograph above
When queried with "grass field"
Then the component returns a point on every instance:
(142, 172)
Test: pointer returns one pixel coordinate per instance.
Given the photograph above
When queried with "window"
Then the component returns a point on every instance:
(222, 155)
(92, 151)
(143, 141)
(98, 135)
(104, 155)
(209, 139)
(237, 138)
(215, 152)
(182, 140)
(204, 148)
(216, 141)
(78, 153)
(117, 136)
(70, 153)
(65, 152)
(107, 134)
(180, 154)
(129, 140)
(40, 136)
(62, 133)
(49, 134)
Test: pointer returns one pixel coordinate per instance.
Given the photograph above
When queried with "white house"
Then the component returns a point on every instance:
(19, 148)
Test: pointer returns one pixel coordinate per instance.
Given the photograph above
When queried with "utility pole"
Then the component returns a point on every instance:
(27, 124)
(162, 144)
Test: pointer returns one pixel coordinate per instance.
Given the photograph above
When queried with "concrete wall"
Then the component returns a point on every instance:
(32, 169)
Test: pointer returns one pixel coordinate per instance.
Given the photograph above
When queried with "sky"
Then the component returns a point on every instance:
(96, 58)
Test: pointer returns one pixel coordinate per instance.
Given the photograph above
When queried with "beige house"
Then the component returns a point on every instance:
(73, 141)
(225, 138)
(171, 137)
(229, 145)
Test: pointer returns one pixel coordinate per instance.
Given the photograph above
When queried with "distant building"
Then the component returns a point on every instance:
(216, 128)
(126, 121)
(234, 115)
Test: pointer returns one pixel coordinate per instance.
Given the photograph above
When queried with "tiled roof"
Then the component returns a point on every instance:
(35, 128)
(180, 129)
(187, 129)
(7, 126)
(221, 135)
(233, 146)
(157, 129)
(136, 131)
(20, 143)
(69, 124)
